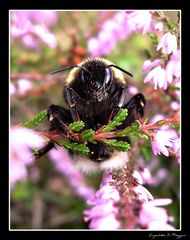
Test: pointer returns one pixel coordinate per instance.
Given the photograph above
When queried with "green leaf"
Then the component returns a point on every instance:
(119, 145)
(75, 147)
(176, 125)
(175, 88)
(142, 135)
(118, 119)
(37, 119)
(153, 37)
(173, 27)
(134, 128)
(148, 54)
(87, 135)
(76, 126)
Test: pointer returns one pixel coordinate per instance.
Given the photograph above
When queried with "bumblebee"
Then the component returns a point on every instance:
(94, 92)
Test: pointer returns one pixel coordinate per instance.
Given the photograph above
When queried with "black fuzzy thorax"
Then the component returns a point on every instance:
(93, 113)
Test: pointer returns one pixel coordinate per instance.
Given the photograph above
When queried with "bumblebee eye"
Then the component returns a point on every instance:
(84, 75)
(108, 76)
(81, 76)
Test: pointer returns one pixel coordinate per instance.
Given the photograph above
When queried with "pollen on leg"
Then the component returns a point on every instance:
(141, 103)
(51, 117)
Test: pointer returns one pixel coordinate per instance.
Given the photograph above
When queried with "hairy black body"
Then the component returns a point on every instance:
(94, 91)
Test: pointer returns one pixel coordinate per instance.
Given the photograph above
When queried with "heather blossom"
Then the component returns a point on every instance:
(103, 212)
(48, 18)
(160, 141)
(152, 216)
(158, 76)
(168, 43)
(64, 165)
(162, 76)
(140, 21)
(22, 141)
(148, 64)
(12, 89)
(142, 193)
(122, 197)
(24, 85)
(151, 173)
(156, 27)
(110, 32)
(173, 67)
(21, 88)
(160, 174)
(32, 27)
(121, 26)
(165, 137)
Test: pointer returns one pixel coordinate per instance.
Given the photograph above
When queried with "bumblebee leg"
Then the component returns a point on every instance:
(117, 99)
(135, 108)
(41, 152)
(73, 99)
(59, 118)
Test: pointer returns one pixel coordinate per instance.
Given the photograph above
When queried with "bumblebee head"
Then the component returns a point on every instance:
(95, 79)
(92, 77)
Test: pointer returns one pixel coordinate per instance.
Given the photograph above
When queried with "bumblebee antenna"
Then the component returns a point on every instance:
(70, 67)
(121, 69)
(63, 69)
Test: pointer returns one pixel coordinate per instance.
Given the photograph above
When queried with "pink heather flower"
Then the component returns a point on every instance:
(20, 24)
(47, 18)
(132, 90)
(146, 170)
(168, 134)
(63, 164)
(32, 27)
(153, 217)
(173, 67)
(158, 178)
(24, 85)
(111, 31)
(158, 77)
(139, 21)
(175, 105)
(146, 176)
(12, 89)
(142, 193)
(30, 42)
(22, 140)
(168, 43)
(102, 214)
(160, 141)
(43, 33)
(156, 27)
(148, 65)
(157, 118)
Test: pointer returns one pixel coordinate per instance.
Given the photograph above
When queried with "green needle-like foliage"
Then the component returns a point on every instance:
(118, 119)
(134, 128)
(37, 120)
(118, 145)
(76, 126)
(87, 135)
(75, 147)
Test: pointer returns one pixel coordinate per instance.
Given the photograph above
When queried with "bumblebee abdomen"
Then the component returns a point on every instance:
(99, 152)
